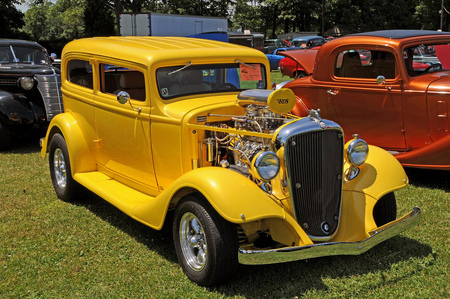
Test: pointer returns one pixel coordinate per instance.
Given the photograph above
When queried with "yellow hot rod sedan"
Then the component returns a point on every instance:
(159, 124)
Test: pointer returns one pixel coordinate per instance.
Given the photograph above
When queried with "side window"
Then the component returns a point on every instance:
(114, 79)
(363, 63)
(80, 72)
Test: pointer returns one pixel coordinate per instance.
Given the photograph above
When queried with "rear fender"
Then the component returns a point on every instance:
(80, 155)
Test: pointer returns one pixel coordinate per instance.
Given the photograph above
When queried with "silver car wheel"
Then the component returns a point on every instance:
(59, 166)
(193, 241)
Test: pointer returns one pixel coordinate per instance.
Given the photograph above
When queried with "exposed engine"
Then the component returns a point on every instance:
(237, 151)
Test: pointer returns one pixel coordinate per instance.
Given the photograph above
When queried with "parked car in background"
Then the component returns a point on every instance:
(190, 126)
(275, 57)
(289, 66)
(308, 42)
(29, 89)
(271, 45)
(374, 83)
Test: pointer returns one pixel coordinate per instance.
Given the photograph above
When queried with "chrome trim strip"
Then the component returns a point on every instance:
(301, 126)
(288, 254)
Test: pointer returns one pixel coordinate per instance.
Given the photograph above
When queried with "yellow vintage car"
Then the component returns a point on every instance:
(159, 124)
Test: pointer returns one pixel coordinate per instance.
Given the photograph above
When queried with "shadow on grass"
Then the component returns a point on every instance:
(158, 241)
(295, 279)
(427, 178)
(25, 145)
(278, 280)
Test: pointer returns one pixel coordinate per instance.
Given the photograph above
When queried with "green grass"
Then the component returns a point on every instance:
(54, 249)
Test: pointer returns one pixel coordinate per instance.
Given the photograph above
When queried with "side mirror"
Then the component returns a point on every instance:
(381, 80)
(123, 97)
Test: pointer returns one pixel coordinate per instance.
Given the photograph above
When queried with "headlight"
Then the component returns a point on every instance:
(266, 165)
(26, 83)
(357, 151)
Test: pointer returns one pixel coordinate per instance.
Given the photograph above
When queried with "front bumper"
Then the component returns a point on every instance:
(288, 254)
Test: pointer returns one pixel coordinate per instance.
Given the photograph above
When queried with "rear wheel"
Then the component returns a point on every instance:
(385, 209)
(205, 243)
(66, 187)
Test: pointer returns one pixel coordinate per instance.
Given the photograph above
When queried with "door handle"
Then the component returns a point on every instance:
(333, 92)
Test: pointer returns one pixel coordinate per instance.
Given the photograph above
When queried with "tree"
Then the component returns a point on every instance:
(99, 18)
(62, 20)
(11, 19)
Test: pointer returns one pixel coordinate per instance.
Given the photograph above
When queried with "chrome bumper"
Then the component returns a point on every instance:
(288, 254)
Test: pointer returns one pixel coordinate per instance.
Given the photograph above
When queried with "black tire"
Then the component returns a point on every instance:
(66, 187)
(385, 209)
(299, 74)
(205, 243)
(5, 138)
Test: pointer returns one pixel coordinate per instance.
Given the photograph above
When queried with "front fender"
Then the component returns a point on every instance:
(15, 109)
(379, 175)
(234, 197)
(80, 155)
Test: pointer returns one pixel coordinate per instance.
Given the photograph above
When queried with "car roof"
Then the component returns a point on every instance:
(17, 42)
(400, 33)
(306, 38)
(151, 49)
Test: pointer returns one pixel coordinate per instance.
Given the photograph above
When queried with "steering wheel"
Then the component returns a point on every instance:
(225, 86)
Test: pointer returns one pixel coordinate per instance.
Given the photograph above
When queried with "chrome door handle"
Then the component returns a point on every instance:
(331, 92)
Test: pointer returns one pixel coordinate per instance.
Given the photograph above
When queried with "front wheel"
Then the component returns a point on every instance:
(5, 138)
(205, 243)
(66, 187)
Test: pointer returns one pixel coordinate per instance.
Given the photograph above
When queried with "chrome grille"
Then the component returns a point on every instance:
(314, 161)
(50, 88)
(8, 82)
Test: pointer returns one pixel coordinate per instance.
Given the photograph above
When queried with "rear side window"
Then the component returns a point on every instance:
(364, 63)
(114, 79)
(79, 72)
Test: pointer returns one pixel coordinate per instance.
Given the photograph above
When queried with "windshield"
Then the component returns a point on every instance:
(23, 54)
(188, 79)
(427, 58)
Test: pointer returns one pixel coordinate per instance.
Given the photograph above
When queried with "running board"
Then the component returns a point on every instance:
(116, 193)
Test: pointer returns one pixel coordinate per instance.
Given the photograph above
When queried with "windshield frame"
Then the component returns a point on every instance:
(185, 80)
(34, 54)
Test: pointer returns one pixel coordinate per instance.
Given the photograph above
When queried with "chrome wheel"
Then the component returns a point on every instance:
(193, 241)
(59, 167)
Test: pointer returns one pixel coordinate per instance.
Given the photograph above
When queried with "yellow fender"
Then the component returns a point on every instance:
(235, 198)
(77, 145)
(381, 174)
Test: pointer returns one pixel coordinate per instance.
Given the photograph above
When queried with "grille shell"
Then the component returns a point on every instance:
(314, 160)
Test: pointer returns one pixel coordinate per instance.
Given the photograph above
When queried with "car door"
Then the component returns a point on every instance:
(359, 104)
(123, 145)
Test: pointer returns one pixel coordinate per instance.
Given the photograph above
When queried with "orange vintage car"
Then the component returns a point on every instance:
(390, 86)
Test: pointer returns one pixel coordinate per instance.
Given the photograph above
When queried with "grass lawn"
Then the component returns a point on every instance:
(89, 249)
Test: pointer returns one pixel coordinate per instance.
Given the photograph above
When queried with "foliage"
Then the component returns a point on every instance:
(45, 20)
(53, 249)
(11, 19)
(99, 19)
(68, 19)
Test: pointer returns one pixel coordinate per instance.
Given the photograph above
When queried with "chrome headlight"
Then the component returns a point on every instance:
(26, 83)
(357, 151)
(266, 165)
